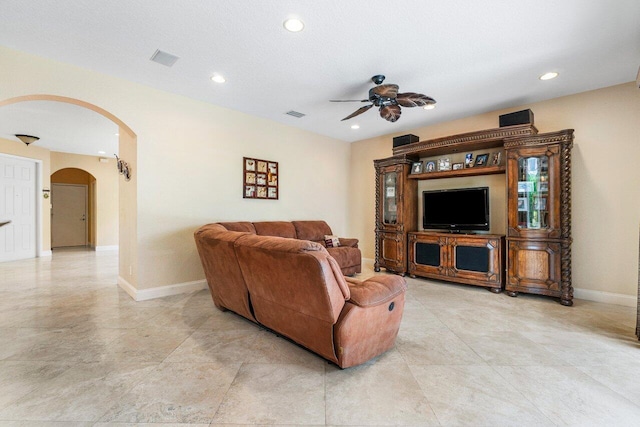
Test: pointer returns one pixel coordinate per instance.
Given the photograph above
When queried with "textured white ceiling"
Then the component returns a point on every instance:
(471, 56)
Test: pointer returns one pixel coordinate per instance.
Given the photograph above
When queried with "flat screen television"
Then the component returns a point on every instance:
(461, 209)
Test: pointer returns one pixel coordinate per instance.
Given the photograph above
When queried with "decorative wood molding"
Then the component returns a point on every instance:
(470, 138)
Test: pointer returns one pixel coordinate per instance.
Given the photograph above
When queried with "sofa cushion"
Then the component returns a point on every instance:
(312, 230)
(245, 226)
(346, 256)
(276, 229)
(331, 241)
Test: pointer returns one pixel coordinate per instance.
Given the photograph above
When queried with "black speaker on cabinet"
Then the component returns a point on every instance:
(404, 140)
(428, 254)
(524, 117)
(472, 258)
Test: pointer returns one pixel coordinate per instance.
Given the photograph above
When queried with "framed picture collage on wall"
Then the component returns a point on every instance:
(260, 179)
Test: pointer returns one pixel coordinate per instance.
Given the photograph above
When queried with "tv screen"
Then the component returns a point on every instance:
(458, 209)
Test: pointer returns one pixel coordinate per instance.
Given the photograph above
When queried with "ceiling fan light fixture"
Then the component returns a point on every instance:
(548, 76)
(429, 106)
(355, 127)
(218, 78)
(294, 25)
(27, 139)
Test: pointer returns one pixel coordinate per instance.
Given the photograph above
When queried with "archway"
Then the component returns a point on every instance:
(127, 190)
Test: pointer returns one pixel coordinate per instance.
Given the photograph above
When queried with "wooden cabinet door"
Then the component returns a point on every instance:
(392, 252)
(391, 203)
(428, 255)
(534, 267)
(477, 260)
(533, 192)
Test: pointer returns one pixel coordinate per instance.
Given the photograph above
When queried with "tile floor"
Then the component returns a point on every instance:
(75, 350)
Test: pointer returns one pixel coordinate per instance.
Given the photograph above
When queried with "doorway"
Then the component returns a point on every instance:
(69, 215)
(18, 208)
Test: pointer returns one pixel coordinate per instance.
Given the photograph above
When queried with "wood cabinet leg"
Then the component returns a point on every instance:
(495, 290)
(512, 293)
(566, 302)
(376, 269)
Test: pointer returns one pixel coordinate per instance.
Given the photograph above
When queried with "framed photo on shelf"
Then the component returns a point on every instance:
(544, 187)
(496, 158)
(260, 179)
(481, 159)
(540, 203)
(430, 166)
(525, 186)
(468, 160)
(458, 166)
(416, 167)
(444, 164)
(523, 204)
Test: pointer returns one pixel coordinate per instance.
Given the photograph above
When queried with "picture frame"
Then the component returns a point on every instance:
(481, 159)
(540, 203)
(523, 204)
(544, 187)
(525, 186)
(444, 164)
(496, 158)
(416, 167)
(458, 166)
(430, 166)
(468, 160)
(260, 179)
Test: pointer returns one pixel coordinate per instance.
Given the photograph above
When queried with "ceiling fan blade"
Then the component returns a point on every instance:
(388, 91)
(390, 112)
(412, 99)
(348, 100)
(357, 112)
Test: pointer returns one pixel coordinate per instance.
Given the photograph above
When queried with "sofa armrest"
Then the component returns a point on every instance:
(376, 290)
(346, 241)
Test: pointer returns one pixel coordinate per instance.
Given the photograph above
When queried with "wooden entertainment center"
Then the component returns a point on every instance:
(533, 255)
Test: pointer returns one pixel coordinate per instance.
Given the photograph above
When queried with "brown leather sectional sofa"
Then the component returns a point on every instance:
(296, 288)
(347, 254)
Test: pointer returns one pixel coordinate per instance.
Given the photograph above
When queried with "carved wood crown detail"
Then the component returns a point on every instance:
(491, 134)
(563, 136)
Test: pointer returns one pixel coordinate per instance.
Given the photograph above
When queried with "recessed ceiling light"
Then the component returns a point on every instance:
(102, 152)
(218, 78)
(429, 106)
(549, 76)
(355, 126)
(294, 25)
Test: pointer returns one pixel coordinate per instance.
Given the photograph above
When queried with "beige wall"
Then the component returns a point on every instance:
(606, 194)
(17, 148)
(188, 170)
(106, 192)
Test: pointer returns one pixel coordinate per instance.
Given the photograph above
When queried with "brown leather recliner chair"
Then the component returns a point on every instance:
(295, 288)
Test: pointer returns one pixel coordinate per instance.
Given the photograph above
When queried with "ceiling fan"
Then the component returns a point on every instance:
(389, 100)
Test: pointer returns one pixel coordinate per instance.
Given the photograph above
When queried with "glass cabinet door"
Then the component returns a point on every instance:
(533, 192)
(390, 198)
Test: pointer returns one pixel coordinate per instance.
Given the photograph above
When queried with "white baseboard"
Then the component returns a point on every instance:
(586, 294)
(106, 248)
(161, 291)
(605, 297)
(45, 253)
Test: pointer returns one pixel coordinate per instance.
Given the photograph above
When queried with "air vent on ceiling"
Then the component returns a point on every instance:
(164, 58)
(295, 114)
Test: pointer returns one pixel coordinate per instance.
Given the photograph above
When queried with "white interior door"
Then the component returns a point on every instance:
(17, 208)
(68, 215)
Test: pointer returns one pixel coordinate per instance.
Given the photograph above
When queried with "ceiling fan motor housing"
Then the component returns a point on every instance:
(377, 79)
